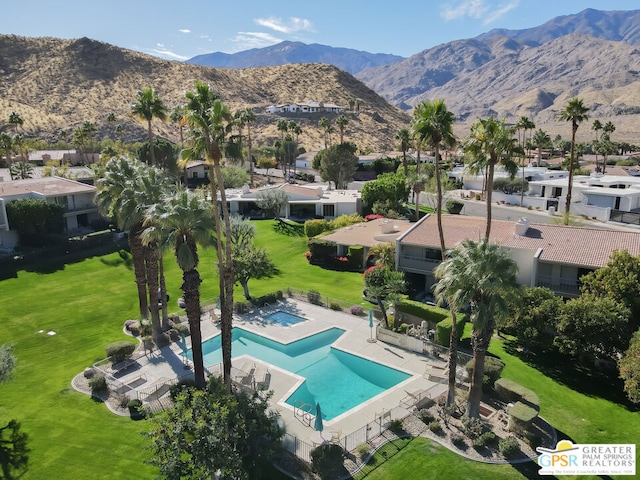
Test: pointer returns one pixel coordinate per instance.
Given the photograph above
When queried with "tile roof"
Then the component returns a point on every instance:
(583, 246)
(46, 186)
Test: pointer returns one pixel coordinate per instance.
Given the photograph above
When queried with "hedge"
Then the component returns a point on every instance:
(510, 391)
(421, 310)
(492, 370)
(118, 351)
(315, 227)
(356, 256)
(521, 417)
(443, 330)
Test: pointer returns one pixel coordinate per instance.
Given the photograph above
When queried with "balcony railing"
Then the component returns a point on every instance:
(558, 286)
(415, 263)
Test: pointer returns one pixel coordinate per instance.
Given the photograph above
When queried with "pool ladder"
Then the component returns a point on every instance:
(302, 411)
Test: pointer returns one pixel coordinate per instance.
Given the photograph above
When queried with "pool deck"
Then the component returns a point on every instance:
(167, 363)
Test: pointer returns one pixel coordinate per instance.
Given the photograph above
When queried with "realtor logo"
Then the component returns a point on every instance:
(587, 459)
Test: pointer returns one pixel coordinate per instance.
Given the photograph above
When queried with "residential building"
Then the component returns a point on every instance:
(552, 256)
(304, 202)
(77, 199)
(310, 106)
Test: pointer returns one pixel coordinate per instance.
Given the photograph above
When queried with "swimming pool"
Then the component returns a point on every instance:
(339, 381)
(284, 318)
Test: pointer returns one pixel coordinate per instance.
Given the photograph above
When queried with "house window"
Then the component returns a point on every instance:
(195, 175)
(328, 210)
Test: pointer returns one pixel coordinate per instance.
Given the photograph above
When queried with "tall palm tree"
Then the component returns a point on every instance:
(525, 124)
(16, 120)
(596, 127)
(146, 107)
(433, 124)
(480, 275)
(211, 122)
(540, 139)
(342, 121)
(6, 144)
(324, 124)
(183, 221)
(576, 113)
(283, 127)
(490, 143)
(247, 116)
(404, 141)
(116, 199)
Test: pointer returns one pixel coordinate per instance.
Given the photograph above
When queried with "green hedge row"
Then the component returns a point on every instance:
(421, 310)
(510, 391)
(443, 330)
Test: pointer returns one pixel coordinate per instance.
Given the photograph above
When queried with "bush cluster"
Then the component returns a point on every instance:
(509, 447)
(326, 457)
(487, 438)
(492, 370)
(335, 306)
(356, 310)
(426, 416)
(435, 427)
(314, 297)
(459, 441)
(98, 384)
(118, 351)
(363, 450)
(473, 427)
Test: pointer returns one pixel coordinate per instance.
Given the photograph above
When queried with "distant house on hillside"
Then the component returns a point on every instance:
(310, 106)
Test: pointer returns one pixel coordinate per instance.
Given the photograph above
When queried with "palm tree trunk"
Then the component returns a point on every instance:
(137, 254)
(151, 150)
(191, 292)
(475, 392)
(453, 358)
(567, 207)
(489, 195)
(163, 294)
(151, 258)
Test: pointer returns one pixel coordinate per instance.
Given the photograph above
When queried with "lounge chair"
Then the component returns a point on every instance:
(261, 377)
(335, 436)
(244, 373)
(412, 398)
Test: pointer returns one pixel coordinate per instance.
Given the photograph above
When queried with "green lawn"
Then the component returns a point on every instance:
(86, 303)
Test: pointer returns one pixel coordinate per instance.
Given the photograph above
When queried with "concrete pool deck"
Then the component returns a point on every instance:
(167, 363)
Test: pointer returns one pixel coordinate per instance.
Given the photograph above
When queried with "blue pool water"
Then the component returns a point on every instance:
(283, 318)
(337, 380)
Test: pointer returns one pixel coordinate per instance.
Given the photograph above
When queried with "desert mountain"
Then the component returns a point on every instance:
(346, 59)
(58, 84)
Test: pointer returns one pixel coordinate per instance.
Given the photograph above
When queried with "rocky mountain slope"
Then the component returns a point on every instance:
(58, 84)
(346, 59)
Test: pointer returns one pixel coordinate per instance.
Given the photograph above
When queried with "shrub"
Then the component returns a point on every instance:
(326, 457)
(314, 297)
(183, 384)
(454, 207)
(403, 328)
(487, 438)
(146, 328)
(134, 330)
(131, 323)
(356, 310)
(473, 427)
(396, 426)
(458, 441)
(345, 221)
(315, 227)
(492, 370)
(98, 384)
(624, 163)
(118, 351)
(335, 306)
(182, 328)
(279, 295)
(426, 416)
(363, 450)
(509, 186)
(509, 447)
(421, 310)
(510, 391)
(435, 428)
(521, 417)
(356, 256)
(134, 404)
(443, 330)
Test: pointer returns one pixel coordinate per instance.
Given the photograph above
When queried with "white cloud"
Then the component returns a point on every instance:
(290, 25)
(165, 53)
(184, 30)
(478, 9)
(247, 40)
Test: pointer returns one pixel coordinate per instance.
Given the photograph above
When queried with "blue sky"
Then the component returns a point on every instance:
(181, 29)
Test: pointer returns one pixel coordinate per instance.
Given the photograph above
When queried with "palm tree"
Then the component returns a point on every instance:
(246, 117)
(6, 144)
(283, 127)
(342, 123)
(147, 107)
(116, 199)
(16, 120)
(21, 171)
(324, 124)
(18, 141)
(111, 119)
(540, 139)
(211, 121)
(404, 141)
(576, 113)
(524, 124)
(433, 124)
(596, 127)
(183, 221)
(489, 143)
(480, 275)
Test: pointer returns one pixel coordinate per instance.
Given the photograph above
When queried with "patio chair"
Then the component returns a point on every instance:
(261, 377)
(335, 436)
(244, 373)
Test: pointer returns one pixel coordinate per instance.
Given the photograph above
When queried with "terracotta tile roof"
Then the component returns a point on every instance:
(369, 233)
(583, 246)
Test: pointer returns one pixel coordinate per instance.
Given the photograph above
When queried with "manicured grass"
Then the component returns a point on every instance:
(424, 459)
(86, 304)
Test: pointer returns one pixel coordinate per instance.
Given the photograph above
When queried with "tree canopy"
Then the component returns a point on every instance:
(338, 164)
(389, 188)
(629, 366)
(210, 431)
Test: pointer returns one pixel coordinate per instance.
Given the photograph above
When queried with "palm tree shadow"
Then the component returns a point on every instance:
(287, 227)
